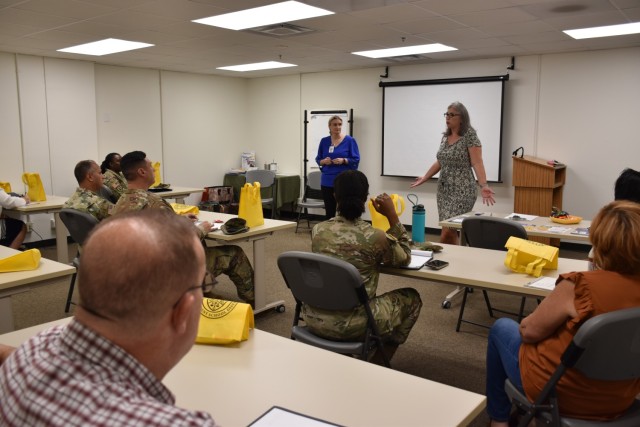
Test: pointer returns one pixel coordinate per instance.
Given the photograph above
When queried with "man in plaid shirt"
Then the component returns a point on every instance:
(140, 293)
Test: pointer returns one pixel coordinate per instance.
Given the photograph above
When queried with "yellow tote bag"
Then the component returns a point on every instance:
(36, 189)
(251, 205)
(6, 186)
(156, 174)
(525, 256)
(380, 221)
(224, 322)
(27, 260)
(181, 209)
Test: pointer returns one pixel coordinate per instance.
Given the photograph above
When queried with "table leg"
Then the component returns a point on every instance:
(61, 240)
(180, 200)
(259, 279)
(6, 315)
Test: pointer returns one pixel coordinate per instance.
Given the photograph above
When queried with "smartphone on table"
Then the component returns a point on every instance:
(436, 264)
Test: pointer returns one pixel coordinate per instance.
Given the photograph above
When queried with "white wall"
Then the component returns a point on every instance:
(578, 108)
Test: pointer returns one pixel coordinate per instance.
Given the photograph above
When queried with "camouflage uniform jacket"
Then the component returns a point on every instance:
(87, 201)
(116, 182)
(136, 200)
(363, 246)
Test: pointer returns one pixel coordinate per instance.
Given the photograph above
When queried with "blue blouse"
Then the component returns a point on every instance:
(347, 149)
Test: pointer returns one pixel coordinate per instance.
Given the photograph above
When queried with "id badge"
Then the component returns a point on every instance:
(331, 149)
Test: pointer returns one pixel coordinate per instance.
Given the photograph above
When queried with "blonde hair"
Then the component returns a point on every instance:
(334, 118)
(615, 235)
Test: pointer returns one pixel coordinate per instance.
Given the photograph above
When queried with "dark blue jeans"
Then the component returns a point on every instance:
(502, 363)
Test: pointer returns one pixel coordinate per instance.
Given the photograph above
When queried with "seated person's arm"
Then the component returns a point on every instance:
(5, 351)
(397, 238)
(552, 312)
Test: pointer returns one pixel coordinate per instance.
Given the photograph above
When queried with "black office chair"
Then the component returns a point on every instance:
(106, 193)
(267, 180)
(329, 284)
(489, 233)
(606, 347)
(79, 225)
(311, 199)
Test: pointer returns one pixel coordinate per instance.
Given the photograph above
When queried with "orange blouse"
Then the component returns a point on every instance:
(596, 292)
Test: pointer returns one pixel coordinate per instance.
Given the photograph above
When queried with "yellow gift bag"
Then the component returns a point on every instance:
(251, 205)
(525, 256)
(224, 322)
(36, 189)
(27, 260)
(156, 174)
(6, 186)
(380, 221)
(181, 209)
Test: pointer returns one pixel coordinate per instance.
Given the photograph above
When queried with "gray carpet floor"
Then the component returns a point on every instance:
(433, 351)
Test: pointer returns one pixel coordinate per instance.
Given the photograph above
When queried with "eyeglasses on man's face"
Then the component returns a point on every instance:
(206, 288)
(450, 115)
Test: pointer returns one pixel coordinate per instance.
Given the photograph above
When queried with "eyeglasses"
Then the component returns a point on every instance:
(206, 288)
(450, 115)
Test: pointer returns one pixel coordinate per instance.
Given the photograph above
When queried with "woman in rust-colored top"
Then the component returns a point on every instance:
(528, 353)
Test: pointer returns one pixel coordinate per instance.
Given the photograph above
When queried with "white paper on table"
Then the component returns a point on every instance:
(281, 417)
(544, 282)
(559, 229)
(422, 253)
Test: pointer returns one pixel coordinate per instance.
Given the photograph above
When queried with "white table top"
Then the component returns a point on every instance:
(541, 226)
(484, 268)
(238, 383)
(179, 192)
(52, 204)
(48, 269)
(269, 226)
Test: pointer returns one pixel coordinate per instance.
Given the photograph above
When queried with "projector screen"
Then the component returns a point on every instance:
(413, 121)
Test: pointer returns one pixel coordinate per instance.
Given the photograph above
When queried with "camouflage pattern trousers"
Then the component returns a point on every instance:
(394, 312)
(232, 261)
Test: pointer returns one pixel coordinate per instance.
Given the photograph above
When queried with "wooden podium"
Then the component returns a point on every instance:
(538, 188)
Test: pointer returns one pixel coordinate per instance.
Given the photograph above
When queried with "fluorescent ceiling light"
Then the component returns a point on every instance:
(606, 31)
(257, 66)
(105, 47)
(407, 50)
(272, 14)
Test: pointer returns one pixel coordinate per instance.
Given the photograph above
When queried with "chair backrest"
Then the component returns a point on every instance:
(266, 178)
(322, 281)
(607, 346)
(78, 223)
(490, 233)
(313, 180)
(106, 193)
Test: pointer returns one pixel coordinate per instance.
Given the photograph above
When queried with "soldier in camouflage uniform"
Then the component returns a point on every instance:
(349, 238)
(113, 178)
(86, 198)
(225, 259)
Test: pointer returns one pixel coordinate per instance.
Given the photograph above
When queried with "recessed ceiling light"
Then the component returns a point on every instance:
(606, 31)
(406, 50)
(104, 47)
(272, 14)
(257, 66)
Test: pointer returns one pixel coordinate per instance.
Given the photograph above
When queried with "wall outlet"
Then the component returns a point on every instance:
(53, 224)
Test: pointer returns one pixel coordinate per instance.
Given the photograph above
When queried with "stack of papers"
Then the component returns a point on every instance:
(521, 217)
(544, 282)
(418, 259)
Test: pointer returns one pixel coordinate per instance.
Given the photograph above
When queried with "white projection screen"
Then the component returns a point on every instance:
(413, 121)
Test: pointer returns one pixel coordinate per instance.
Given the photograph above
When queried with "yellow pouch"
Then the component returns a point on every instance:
(251, 205)
(27, 260)
(36, 189)
(181, 209)
(6, 186)
(156, 174)
(224, 322)
(525, 256)
(380, 221)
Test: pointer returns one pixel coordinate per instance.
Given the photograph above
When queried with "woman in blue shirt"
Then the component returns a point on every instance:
(336, 153)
